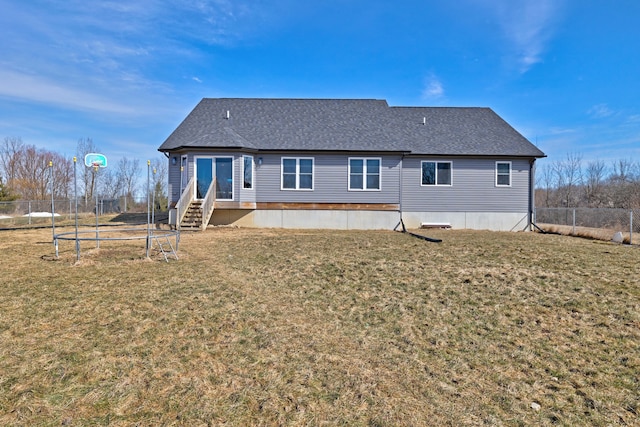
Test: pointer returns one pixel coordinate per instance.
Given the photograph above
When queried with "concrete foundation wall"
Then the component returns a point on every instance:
(368, 220)
(326, 219)
(496, 221)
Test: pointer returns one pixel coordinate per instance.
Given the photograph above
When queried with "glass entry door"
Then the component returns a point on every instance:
(222, 169)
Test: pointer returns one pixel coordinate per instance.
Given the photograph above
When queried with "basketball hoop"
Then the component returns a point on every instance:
(95, 160)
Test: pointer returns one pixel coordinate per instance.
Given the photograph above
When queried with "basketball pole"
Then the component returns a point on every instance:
(75, 186)
(95, 170)
(153, 199)
(53, 210)
(148, 209)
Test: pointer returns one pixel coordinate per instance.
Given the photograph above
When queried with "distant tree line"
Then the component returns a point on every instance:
(571, 182)
(31, 173)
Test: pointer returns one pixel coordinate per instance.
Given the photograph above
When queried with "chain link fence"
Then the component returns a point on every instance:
(600, 223)
(27, 212)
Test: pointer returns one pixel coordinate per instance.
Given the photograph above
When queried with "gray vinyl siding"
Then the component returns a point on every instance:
(473, 188)
(473, 179)
(330, 180)
(174, 179)
(239, 193)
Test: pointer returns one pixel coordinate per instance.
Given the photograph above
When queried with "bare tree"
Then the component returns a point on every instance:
(622, 171)
(565, 183)
(623, 184)
(159, 183)
(544, 182)
(127, 176)
(33, 173)
(594, 181)
(89, 175)
(569, 176)
(62, 175)
(110, 185)
(10, 151)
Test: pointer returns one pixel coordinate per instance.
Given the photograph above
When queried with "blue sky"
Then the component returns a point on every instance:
(565, 73)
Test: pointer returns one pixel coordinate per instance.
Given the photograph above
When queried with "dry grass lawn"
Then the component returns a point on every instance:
(283, 327)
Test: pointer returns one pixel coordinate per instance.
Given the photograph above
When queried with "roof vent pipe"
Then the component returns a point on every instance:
(424, 121)
(228, 115)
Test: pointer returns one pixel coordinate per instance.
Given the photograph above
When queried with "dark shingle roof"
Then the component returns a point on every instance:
(346, 125)
(460, 131)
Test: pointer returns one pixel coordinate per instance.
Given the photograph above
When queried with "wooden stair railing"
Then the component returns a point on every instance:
(184, 202)
(208, 204)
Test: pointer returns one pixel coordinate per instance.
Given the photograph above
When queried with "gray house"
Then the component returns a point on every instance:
(348, 164)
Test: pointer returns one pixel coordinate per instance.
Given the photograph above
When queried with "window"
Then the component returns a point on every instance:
(297, 173)
(364, 174)
(436, 173)
(247, 162)
(503, 174)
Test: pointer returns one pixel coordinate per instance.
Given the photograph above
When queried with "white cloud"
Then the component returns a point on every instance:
(36, 89)
(528, 26)
(561, 131)
(433, 88)
(104, 56)
(600, 111)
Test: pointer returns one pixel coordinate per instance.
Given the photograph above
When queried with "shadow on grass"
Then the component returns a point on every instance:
(139, 217)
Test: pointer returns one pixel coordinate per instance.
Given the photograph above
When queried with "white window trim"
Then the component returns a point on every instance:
(364, 173)
(253, 175)
(510, 173)
(297, 159)
(436, 162)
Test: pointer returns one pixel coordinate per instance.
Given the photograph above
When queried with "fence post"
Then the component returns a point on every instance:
(631, 227)
(29, 212)
(574, 221)
(53, 209)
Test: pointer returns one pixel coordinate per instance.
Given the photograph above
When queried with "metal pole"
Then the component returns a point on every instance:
(574, 221)
(631, 227)
(153, 199)
(29, 212)
(95, 169)
(75, 186)
(148, 212)
(53, 210)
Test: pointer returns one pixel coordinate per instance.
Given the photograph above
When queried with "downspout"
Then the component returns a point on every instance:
(400, 191)
(403, 229)
(532, 197)
(532, 193)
